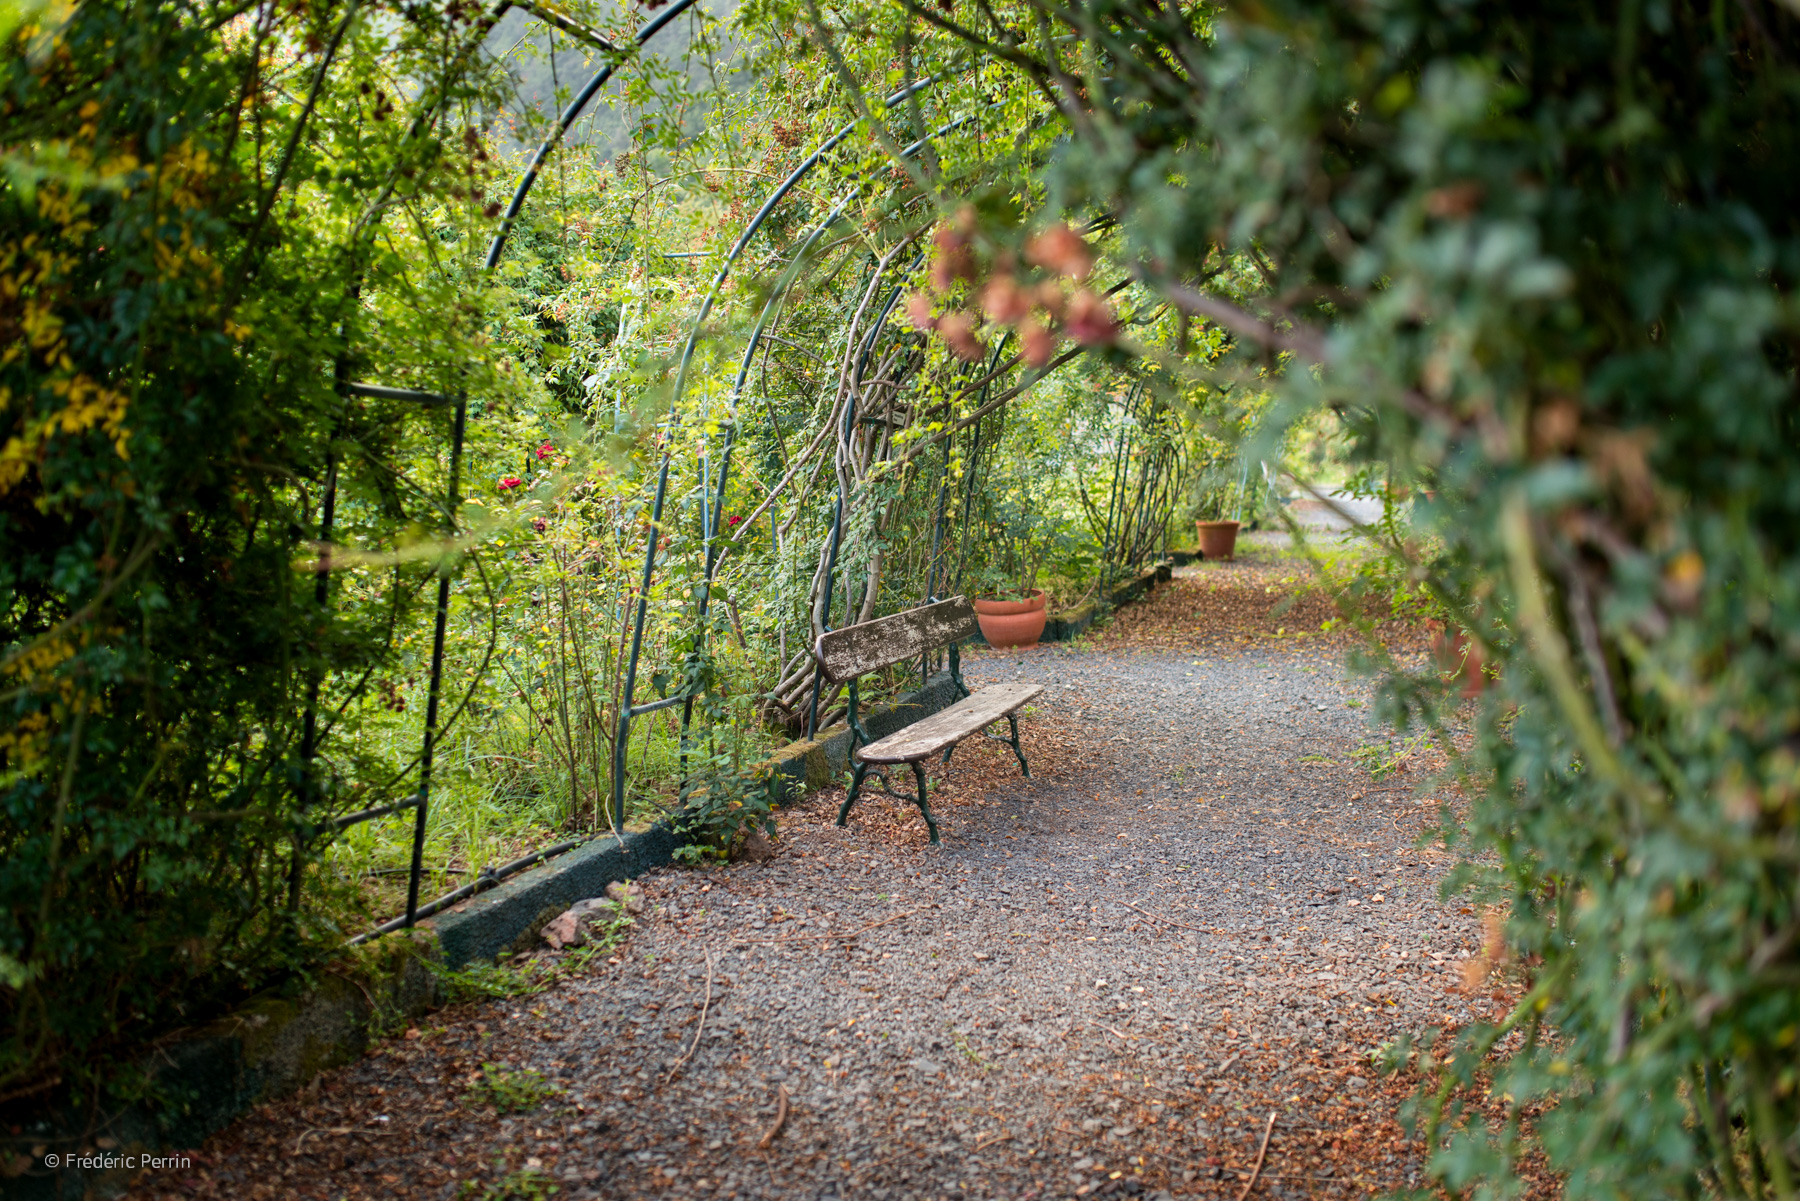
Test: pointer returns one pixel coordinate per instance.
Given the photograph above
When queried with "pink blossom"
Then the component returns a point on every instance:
(1061, 250)
(958, 330)
(953, 260)
(918, 311)
(1004, 300)
(1038, 343)
(1089, 319)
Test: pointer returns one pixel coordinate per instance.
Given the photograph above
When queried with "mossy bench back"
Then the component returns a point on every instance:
(856, 650)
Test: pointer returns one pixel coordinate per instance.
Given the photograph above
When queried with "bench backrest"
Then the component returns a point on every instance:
(847, 653)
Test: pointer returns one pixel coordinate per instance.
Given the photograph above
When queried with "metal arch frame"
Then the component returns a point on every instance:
(778, 295)
(711, 497)
(709, 512)
(845, 430)
(569, 116)
(1127, 519)
(419, 801)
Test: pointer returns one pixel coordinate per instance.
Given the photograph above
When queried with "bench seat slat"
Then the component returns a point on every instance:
(941, 729)
(847, 653)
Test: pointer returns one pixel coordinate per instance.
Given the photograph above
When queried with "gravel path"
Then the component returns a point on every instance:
(1197, 913)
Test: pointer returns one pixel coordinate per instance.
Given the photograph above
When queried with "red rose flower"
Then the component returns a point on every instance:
(545, 451)
(510, 482)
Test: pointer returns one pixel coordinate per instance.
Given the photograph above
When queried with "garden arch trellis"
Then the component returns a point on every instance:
(712, 497)
(419, 801)
(713, 480)
(549, 12)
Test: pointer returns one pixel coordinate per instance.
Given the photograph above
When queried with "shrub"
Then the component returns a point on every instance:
(178, 294)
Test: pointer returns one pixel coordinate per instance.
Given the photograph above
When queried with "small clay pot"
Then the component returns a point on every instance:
(1012, 623)
(1459, 659)
(1218, 539)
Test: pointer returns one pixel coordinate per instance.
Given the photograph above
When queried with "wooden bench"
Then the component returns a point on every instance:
(844, 655)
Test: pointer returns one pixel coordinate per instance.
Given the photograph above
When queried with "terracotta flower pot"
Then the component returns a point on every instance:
(1218, 539)
(1012, 623)
(1459, 658)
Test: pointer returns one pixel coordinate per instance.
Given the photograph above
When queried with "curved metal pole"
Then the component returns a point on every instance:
(495, 249)
(709, 518)
(845, 432)
(1114, 497)
(441, 622)
(800, 172)
(709, 513)
(309, 737)
(626, 708)
(569, 116)
(777, 295)
(975, 448)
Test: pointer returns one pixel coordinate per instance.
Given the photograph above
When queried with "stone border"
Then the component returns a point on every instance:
(1072, 623)
(202, 1080)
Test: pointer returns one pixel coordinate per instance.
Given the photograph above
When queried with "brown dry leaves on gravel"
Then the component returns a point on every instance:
(1242, 605)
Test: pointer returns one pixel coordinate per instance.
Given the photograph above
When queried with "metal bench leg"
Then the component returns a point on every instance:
(930, 822)
(947, 751)
(1013, 722)
(855, 787)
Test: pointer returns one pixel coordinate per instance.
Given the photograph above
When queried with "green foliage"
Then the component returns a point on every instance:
(1384, 759)
(480, 981)
(1532, 268)
(506, 1090)
(524, 1184)
(727, 804)
(1538, 263)
(190, 258)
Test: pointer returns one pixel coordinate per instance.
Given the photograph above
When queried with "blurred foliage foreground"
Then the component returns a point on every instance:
(1533, 265)
(1541, 260)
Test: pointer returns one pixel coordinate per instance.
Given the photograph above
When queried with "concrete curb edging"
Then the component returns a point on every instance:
(201, 1080)
(1072, 623)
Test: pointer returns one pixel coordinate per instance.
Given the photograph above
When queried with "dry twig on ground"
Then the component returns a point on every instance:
(1261, 1154)
(781, 1117)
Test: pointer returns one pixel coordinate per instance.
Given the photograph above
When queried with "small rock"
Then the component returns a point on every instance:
(1121, 1132)
(626, 893)
(1092, 1124)
(564, 930)
(756, 848)
(926, 1067)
